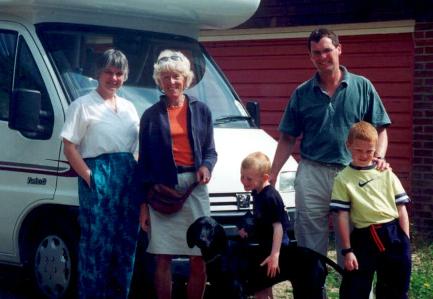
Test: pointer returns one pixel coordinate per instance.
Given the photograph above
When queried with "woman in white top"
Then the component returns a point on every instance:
(100, 136)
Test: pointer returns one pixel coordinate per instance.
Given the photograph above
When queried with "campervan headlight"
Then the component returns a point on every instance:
(287, 181)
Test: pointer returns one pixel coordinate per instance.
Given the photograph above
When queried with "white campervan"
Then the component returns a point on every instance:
(47, 60)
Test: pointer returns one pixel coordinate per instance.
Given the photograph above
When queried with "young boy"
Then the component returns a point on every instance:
(270, 219)
(375, 202)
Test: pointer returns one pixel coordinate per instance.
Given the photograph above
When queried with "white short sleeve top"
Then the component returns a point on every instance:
(96, 129)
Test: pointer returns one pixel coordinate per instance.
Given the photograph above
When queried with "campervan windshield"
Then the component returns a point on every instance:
(74, 49)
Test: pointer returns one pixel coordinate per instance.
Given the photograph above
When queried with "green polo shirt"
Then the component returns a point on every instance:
(324, 121)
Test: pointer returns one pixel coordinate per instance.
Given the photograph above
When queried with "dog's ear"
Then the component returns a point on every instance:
(220, 237)
(192, 232)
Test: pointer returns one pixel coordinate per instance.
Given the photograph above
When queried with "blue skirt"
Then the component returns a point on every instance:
(109, 226)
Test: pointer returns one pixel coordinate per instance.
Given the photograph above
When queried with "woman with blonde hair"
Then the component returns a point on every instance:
(176, 149)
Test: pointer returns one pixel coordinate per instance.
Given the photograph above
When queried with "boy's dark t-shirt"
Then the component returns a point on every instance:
(268, 209)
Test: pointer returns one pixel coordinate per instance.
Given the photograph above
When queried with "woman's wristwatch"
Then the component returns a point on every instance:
(346, 251)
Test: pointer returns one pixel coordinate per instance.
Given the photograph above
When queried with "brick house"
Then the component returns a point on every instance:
(390, 42)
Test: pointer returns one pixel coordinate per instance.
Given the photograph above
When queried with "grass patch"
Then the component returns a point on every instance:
(421, 286)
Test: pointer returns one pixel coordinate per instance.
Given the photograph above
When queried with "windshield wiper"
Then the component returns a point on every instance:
(229, 119)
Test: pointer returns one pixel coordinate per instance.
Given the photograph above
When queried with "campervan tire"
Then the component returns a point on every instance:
(53, 263)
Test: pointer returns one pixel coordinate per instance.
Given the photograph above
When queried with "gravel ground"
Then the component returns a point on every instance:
(283, 290)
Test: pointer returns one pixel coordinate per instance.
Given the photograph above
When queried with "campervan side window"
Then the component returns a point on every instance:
(27, 76)
(8, 43)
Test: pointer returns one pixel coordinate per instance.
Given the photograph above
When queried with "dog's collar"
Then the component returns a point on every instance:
(212, 259)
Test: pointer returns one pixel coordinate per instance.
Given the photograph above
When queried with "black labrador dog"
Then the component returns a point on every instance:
(231, 271)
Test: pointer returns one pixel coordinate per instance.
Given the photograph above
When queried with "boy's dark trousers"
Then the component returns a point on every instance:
(384, 249)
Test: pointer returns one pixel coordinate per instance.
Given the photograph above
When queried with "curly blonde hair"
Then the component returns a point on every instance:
(180, 65)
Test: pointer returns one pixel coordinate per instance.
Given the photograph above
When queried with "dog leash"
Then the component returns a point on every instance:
(328, 261)
(212, 259)
(333, 264)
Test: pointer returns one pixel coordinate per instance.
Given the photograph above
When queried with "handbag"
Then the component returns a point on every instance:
(167, 200)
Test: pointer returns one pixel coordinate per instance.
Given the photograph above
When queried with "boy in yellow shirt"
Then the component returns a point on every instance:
(375, 203)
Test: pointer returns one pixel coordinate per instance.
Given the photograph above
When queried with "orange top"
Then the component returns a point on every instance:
(182, 151)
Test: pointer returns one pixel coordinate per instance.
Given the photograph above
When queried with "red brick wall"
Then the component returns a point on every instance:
(422, 170)
(269, 70)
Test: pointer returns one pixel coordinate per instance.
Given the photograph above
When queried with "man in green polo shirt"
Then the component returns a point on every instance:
(322, 110)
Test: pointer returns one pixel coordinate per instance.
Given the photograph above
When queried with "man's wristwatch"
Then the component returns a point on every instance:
(346, 251)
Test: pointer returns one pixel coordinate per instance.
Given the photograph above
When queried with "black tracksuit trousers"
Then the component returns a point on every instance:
(384, 249)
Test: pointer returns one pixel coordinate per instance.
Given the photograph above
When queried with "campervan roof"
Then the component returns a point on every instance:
(200, 14)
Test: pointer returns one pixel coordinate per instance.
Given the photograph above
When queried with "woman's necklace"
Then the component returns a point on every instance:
(178, 103)
(110, 99)
(112, 103)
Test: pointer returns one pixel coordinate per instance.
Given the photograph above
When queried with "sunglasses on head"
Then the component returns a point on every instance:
(167, 58)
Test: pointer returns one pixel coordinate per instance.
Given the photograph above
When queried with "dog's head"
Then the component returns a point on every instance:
(208, 235)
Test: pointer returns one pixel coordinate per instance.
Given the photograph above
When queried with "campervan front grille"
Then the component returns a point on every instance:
(235, 203)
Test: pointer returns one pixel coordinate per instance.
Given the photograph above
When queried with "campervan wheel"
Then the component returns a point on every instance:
(52, 264)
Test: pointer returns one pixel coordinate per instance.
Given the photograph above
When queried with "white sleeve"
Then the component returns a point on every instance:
(75, 125)
(136, 120)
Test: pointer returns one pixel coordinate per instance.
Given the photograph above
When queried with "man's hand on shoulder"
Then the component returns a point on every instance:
(381, 164)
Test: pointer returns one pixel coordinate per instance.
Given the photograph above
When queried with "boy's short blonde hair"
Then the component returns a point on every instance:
(257, 161)
(364, 131)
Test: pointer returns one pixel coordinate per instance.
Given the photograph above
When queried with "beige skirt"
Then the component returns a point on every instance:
(167, 234)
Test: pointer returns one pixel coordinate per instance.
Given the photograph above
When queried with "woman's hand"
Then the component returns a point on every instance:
(243, 233)
(144, 217)
(350, 262)
(76, 161)
(87, 177)
(203, 175)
